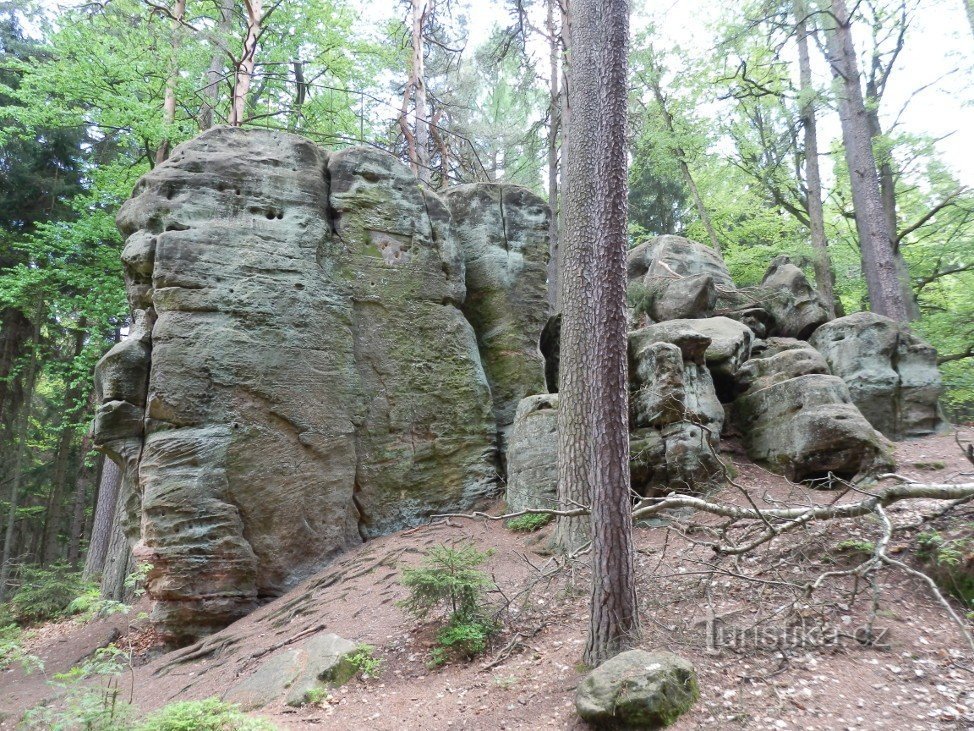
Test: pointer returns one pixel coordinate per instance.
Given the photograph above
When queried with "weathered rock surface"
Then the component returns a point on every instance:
(296, 673)
(502, 234)
(892, 374)
(532, 459)
(672, 278)
(800, 421)
(673, 394)
(638, 689)
(312, 379)
(791, 300)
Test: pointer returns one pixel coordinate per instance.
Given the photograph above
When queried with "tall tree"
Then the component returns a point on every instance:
(883, 276)
(824, 276)
(593, 419)
(104, 521)
(417, 133)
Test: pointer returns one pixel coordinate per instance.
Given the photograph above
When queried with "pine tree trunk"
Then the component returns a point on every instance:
(883, 281)
(887, 194)
(86, 476)
(118, 558)
(554, 123)
(593, 424)
(169, 96)
(20, 430)
(824, 276)
(421, 163)
(104, 520)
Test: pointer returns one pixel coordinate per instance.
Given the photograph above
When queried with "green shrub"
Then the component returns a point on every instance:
(211, 714)
(366, 663)
(46, 593)
(12, 651)
(449, 581)
(530, 522)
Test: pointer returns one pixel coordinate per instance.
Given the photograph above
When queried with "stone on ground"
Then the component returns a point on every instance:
(532, 455)
(638, 689)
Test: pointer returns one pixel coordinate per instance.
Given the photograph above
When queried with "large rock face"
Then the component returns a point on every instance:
(502, 233)
(312, 379)
(891, 373)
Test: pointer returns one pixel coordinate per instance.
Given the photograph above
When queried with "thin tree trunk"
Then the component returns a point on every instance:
(169, 98)
(118, 559)
(19, 450)
(883, 281)
(86, 476)
(420, 156)
(681, 159)
(245, 67)
(214, 74)
(554, 123)
(104, 520)
(593, 424)
(824, 276)
(50, 551)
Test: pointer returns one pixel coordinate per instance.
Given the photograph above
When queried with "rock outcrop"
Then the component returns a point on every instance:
(532, 462)
(800, 421)
(502, 233)
(312, 380)
(673, 394)
(892, 374)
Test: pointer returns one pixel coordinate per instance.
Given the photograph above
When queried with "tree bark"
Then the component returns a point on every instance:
(214, 74)
(19, 449)
(887, 194)
(418, 134)
(824, 275)
(86, 476)
(969, 7)
(554, 123)
(169, 97)
(118, 558)
(104, 520)
(883, 281)
(593, 423)
(245, 66)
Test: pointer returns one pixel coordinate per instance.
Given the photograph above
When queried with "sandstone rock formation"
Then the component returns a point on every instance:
(312, 379)
(532, 461)
(892, 374)
(673, 394)
(502, 233)
(800, 421)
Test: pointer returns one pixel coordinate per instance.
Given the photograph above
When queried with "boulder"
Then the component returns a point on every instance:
(297, 673)
(793, 303)
(673, 394)
(532, 457)
(671, 278)
(800, 421)
(638, 689)
(502, 234)
(312, 381)
(892, 374)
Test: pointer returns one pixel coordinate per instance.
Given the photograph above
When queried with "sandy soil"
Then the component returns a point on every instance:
(918, 675)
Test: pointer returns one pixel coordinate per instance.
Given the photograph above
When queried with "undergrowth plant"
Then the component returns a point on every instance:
(450, 585)
(366, 663)
(530, 522)
(46, 593)
(211, 714)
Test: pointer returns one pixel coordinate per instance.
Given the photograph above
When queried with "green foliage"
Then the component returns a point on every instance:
(853, 545)
(366, 663)
(46, 594)
(12, 651)
(211, 714)
(90, 697)
(529, 523)
(951, 562)
(449, 580)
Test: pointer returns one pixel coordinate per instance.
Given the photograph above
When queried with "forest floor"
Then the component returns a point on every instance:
(763, 666)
